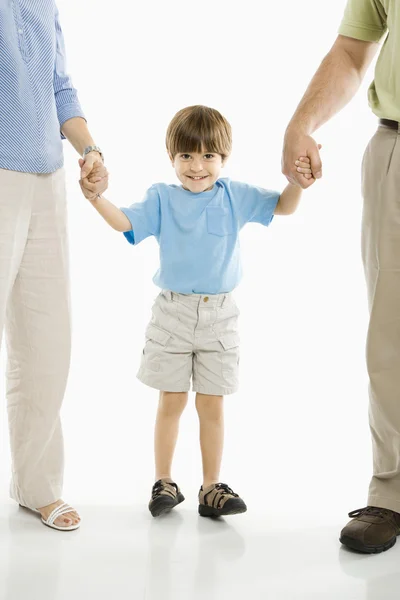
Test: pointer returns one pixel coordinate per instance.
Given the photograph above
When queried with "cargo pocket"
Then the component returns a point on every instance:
(156, 340)
(155, 334)
(219, 221)
(230, 356)
(229, 340)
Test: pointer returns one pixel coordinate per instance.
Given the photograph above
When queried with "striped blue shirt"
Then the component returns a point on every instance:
(36, 93)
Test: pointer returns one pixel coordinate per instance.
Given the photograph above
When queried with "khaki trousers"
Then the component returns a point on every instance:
(35, 310)
(381, 257)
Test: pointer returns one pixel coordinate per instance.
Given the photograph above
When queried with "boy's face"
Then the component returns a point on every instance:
(197, 171)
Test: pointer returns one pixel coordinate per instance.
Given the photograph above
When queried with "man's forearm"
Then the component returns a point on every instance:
(332, 87)
(77, 133)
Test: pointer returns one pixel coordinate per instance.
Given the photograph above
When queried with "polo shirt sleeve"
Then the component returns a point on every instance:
(65, 94)
(253, 204)
(145, 217)
(364, 20)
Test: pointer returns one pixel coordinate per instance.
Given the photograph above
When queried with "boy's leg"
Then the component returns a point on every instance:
(215, 498)
(165, 494)
(215, 374)
(170, 409)
(211, 417)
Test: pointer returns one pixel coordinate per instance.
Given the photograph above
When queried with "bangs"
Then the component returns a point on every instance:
(199, 129)
(187, 142)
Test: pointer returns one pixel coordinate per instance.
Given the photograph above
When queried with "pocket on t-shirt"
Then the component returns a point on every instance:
(219, 221)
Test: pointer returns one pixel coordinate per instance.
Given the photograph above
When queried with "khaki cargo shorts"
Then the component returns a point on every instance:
(192, 336)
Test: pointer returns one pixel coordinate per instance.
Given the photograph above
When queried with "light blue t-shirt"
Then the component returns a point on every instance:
(198, 234)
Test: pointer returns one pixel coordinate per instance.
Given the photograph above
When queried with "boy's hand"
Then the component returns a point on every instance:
(303, 165)
(96, 183)
(89, 195)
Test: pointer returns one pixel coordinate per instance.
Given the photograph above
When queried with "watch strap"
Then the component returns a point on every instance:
(93, 149)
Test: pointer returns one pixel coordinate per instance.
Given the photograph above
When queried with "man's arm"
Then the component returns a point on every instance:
(332, 87)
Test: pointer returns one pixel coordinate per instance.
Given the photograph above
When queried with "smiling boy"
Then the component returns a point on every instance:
(193, 331)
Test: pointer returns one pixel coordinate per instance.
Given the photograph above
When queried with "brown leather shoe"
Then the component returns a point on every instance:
(371, 530)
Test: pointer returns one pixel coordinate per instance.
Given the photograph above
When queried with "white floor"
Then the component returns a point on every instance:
(123, 553)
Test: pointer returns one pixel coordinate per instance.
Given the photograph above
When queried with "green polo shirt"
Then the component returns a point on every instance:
(370, 20)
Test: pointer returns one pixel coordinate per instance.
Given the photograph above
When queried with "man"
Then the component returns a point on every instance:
(37, 101)
(374, 528)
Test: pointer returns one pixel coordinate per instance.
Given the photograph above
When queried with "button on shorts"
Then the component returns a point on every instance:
(192, 337)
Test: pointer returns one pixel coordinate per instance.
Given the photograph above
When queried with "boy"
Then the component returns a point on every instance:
(193, 330)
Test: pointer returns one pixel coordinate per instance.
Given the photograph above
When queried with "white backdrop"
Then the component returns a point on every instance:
(297, 430)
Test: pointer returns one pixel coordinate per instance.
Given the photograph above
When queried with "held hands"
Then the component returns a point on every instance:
(303, 165)
(300, 148)
(94, 178)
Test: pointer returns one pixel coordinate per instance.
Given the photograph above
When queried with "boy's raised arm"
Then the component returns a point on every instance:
(288, 200)
(111, 214)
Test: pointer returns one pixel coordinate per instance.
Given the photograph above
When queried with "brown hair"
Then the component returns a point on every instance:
(198, 129)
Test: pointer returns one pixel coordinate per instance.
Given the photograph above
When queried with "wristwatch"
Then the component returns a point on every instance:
(92, 149)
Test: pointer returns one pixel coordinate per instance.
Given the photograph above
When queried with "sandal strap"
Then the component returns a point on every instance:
(58, 512)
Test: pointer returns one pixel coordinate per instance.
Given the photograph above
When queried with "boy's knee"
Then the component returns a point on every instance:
(209, 406)
(172, 403)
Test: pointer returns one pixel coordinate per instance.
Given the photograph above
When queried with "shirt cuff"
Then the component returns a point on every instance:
(69, 111)
(360, 32)
(129, 235)
(267, 222)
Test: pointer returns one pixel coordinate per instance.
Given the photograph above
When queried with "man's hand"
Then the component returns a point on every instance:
(298, 145)
(96, 182)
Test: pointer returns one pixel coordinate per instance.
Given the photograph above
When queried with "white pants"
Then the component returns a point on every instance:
(35, 309)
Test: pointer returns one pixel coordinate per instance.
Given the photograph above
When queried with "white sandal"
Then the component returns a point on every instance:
(58, 512)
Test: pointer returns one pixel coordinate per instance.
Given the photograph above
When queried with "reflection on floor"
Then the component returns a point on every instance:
(124, 553)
